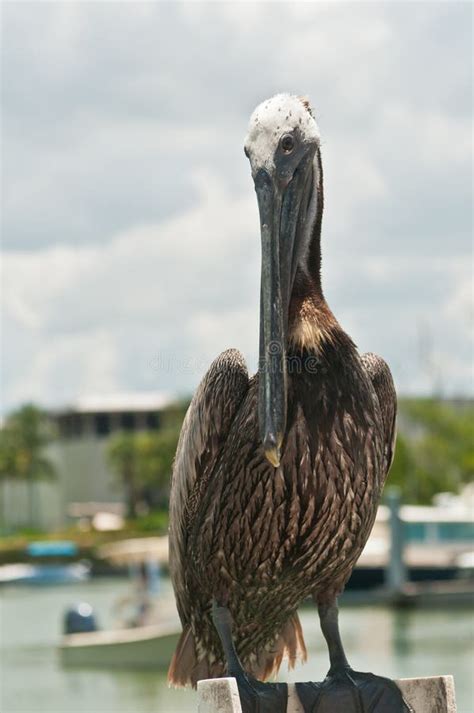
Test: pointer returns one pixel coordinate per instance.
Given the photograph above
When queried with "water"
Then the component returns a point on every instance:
(397, 644)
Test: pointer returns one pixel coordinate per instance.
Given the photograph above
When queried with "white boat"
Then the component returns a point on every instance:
(24, 573)
(150, 641)
(45, 567)
(145, 647)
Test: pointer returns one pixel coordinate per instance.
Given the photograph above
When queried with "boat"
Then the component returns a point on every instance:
(23, 573)
(145, 640)
(436, 541)
(417, 556)
(145, 647)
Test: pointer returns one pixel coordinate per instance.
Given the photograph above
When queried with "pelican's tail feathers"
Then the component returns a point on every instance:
(289, 644)
(185, 668)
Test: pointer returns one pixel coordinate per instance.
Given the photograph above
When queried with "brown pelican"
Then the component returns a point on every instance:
(277, 478)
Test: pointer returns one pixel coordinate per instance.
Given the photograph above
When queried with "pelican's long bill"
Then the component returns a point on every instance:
(283, 201)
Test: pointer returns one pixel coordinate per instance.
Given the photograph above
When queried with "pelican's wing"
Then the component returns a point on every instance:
(203, 434)
(382, 381)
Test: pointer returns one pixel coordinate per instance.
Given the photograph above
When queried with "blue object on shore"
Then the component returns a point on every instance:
(52, 548)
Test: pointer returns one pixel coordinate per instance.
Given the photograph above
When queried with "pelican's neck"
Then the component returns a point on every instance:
(311, 323)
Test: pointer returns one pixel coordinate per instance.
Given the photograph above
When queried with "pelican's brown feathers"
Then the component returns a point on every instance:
(258, 539)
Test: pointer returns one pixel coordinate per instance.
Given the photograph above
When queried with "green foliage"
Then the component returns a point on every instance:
(172, 416)
(156, 452)
(155, 522)
(123, 455)
(435, 449)
(143, 461)
(22, 441)
(23, 438)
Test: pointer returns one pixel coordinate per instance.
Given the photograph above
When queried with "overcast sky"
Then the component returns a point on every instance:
(130, 228)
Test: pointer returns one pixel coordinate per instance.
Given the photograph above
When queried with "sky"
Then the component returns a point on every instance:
(130, 233)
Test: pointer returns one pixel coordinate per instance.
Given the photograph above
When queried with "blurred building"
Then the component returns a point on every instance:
(85, 483)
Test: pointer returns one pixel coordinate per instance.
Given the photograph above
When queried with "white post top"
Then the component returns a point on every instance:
(218, 694)
(425, 695)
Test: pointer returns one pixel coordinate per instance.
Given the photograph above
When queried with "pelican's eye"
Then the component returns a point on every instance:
(287, 143)
(246, 152)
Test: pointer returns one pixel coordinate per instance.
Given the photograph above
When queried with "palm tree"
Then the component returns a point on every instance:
(23, 439)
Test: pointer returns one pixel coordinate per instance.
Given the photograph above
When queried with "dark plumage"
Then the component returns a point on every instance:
(260, 539)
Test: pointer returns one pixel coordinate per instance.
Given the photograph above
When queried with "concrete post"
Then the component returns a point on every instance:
(425, 695)
(395, 575)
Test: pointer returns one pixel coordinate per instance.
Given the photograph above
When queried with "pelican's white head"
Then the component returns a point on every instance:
(284, 115)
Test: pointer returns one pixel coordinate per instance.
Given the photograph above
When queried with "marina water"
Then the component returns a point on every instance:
(396, 643)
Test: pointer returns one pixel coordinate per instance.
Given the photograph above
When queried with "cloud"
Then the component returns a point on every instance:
(176, 288)
(151, 308)
(131, 247)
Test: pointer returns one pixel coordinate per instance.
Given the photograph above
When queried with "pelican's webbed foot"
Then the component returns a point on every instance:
(345, 690)
(348, 691)
(258, 697)
(255, 696)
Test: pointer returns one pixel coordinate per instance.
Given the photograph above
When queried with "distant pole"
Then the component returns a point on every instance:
(3, 508)
(395, 574)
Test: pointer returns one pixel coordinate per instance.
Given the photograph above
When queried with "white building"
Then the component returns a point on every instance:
(84, 481)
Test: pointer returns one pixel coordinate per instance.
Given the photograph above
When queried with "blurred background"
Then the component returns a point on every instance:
(131, 259)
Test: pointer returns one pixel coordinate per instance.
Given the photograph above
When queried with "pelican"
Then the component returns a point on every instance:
(277, 478)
